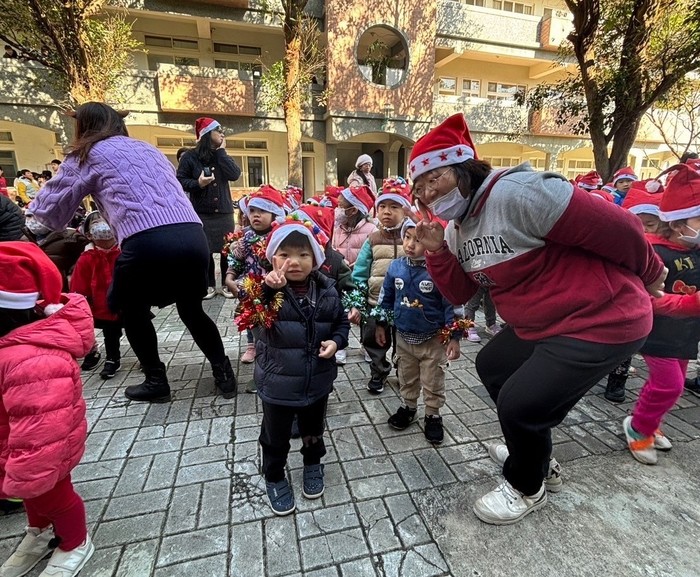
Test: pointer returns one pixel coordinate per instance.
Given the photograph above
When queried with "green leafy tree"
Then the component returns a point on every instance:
(286, 83)
(629, 54)
(86, 48)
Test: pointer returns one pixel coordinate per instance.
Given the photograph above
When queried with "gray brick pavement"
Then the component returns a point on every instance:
(173, 490)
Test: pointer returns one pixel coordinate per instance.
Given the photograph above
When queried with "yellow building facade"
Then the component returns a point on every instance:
(394, 69)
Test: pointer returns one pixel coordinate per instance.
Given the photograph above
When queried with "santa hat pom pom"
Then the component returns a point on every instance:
(653, 186)
(52, 309)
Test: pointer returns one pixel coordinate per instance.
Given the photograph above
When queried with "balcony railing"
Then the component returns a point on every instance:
(544, 122)
(483, 115)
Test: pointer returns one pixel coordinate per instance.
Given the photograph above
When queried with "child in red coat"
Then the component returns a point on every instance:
(42, 411)
(92, 278)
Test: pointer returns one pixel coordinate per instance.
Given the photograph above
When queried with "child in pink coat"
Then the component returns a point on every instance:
(42, 411)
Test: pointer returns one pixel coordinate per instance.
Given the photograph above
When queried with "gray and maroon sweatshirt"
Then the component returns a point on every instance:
(557, 260)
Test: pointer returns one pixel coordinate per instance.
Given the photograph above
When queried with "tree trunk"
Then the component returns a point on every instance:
(623, 142)
(292, 111)
(600, 148)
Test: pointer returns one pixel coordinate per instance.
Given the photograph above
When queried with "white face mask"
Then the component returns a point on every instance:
(694, 240)
(340, 217)
(101, 231)
(450, 206)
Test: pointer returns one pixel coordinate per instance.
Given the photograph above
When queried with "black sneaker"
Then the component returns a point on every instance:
(313, 481)
(376, 385)
(693, 386)
(434, 433)
(402, 418)
(91, 360)
(109, 369)
(615, 391)
(281, 497)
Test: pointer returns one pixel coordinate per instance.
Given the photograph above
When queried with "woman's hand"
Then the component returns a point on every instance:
(656, 289)
(204, 181)
(429, 232)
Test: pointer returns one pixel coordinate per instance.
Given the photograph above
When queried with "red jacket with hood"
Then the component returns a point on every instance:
(42, 411)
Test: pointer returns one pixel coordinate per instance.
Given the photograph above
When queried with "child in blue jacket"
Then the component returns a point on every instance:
(424, 320)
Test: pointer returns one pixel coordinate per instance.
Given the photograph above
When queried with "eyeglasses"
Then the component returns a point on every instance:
(220, 130)
(430, 185)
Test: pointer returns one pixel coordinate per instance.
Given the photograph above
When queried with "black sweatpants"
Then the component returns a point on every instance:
(276, 431)
(534, 385)
(380, 367)
(112, 332)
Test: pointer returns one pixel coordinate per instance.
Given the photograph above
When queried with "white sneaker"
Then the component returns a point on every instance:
(341, 357)
(211, 293)
(473, 336)
(506, 505)
(69, 563)
(552, 482)
(33, 548)
(368, 359)
(227, 293)
(661, 441)
(642, 449)
(493, 329)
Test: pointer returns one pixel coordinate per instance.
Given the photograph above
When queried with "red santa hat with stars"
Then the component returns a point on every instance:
(448, 143)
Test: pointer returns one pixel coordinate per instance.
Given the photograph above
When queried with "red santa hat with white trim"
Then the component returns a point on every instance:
(298, 222)
(27, 275)
(644, 197)
(625, 173)
(448, 143)
(269, 199)
(203, 125)
(682, 196)
(589, 181)
(361, 197)
(395, 189)
(322, 216)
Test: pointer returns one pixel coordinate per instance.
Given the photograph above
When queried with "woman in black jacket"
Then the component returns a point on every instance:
(204, 173)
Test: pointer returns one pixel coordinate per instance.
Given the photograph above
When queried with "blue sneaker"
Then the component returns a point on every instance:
(313, 481)
(281, 497)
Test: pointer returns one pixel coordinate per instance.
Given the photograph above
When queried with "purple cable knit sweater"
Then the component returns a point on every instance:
(132, 182)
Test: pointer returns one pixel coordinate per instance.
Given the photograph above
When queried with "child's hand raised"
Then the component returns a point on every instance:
(328, 349)
(429, 232)
(275, 279)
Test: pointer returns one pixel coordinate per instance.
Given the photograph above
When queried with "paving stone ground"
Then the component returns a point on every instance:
(174, 490)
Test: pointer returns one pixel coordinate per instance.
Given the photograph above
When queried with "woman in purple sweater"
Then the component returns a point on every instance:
(165, 255)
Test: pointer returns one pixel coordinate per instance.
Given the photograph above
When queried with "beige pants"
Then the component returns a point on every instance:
(422, 367)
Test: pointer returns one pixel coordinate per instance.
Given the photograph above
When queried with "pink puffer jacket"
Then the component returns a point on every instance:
(349, 243)
(42, 411)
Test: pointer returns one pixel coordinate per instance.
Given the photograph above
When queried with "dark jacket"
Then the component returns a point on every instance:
(676, 337)
(337, 268)
(63, 248)
(288, 370)
(11, 220)
(214, 198)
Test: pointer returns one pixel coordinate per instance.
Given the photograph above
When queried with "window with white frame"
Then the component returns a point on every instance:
(502, 161)
(474, 2)
(246, 70)
(447, 86)
(171, 50)
(516, 7)
(8, 164)
(538, 163)
(245, 61)
(254, 165)
(576, 167)
(503, 92)
(471, 88)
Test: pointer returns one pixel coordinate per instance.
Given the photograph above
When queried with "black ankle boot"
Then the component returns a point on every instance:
(154, 389)
(615, 391)
(224, 379)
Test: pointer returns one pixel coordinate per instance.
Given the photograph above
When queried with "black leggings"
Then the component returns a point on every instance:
(139, 329)
(112, 332)
(180, 255)
(534, 385)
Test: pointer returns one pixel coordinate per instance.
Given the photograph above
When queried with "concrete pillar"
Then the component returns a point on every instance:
(331, 164)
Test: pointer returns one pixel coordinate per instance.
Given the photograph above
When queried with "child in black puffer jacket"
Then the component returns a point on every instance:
(298, 329)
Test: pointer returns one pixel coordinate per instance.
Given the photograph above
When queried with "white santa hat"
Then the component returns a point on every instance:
(297, 223)
(27, 275)
(363, 159)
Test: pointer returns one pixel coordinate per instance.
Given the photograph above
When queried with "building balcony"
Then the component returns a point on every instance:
(483, 115)
(544, 122)
(498, 27)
